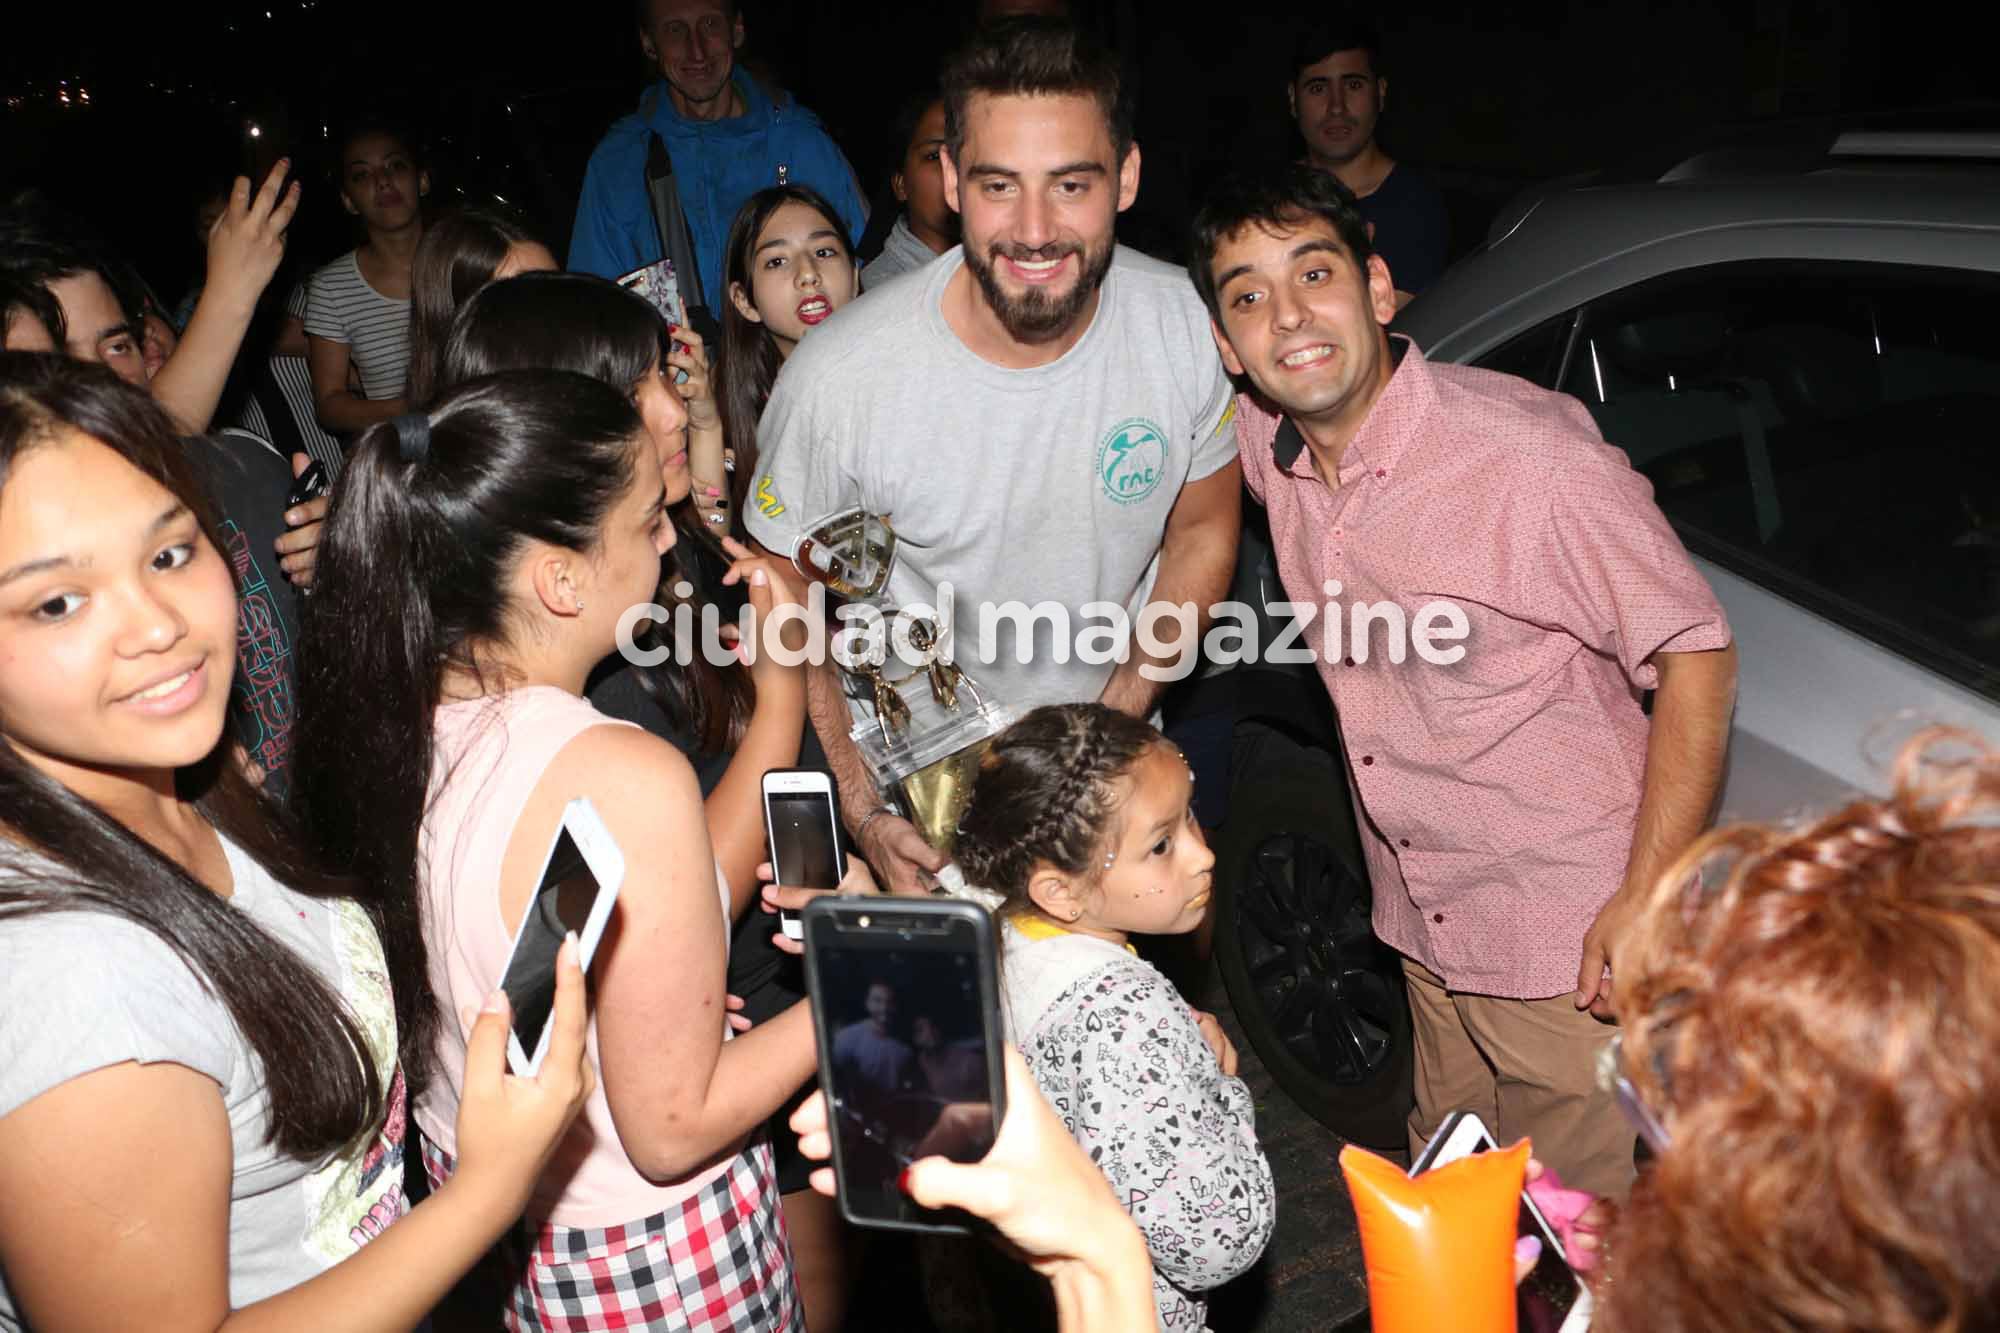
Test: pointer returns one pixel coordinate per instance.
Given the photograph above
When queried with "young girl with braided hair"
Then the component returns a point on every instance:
(1079, 830)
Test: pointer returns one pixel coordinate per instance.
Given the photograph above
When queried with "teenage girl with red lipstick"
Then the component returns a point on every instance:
(788, 268)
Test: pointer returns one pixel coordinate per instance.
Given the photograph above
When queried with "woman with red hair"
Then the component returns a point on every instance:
(1811, 1044)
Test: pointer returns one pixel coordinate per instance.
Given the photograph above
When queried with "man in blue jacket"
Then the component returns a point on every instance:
(728, 139)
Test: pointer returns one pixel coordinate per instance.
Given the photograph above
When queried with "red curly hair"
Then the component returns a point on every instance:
(1816, 1016)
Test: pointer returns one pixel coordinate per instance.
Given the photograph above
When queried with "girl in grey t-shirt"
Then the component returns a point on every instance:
(200, 1103)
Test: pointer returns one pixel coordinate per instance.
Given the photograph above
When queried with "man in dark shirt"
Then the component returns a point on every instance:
(1336, 95)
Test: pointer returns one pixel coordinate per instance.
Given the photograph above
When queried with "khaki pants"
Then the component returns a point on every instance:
(1528, 1069)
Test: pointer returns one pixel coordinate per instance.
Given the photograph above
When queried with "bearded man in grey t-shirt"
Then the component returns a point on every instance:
(1042, 414)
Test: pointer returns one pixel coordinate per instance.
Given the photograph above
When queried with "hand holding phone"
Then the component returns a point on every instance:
(803, 833)
(578, 884)
(508, 1127)
(1551, 1298)
(309, 485)
(1038, 1189)
(906, 1007)
(776, 898)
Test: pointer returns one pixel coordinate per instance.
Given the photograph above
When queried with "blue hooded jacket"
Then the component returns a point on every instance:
(717, 165)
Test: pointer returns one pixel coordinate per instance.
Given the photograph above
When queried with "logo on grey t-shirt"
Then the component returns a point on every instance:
(1131, 460)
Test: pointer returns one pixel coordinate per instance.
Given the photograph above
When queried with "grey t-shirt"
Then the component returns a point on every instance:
(80, 991)
(1012, 486)
(901, 253)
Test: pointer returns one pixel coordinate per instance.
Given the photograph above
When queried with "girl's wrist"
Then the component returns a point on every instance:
(482, 1202)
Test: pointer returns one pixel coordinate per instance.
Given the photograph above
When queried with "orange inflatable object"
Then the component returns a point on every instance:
(1439, 1248)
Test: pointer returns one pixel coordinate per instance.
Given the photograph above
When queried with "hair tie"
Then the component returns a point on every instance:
(413, 436)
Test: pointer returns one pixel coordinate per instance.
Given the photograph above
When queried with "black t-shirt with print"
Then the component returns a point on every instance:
(249, 482)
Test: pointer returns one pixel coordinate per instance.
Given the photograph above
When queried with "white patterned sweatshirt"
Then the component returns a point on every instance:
(1116, 1051)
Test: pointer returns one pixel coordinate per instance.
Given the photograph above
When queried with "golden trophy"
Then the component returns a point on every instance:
(921, 734)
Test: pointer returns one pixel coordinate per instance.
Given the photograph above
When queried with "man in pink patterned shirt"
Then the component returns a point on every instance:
(1511, 796)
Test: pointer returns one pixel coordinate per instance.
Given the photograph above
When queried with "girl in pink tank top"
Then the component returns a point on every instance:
(477, 565)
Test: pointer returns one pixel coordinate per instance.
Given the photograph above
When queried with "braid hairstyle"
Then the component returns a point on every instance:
(1045, 796)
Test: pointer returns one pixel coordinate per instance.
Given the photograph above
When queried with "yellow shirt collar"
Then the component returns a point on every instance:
(1041, 928)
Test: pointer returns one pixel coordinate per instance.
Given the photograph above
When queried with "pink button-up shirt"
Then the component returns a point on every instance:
(1496, 796)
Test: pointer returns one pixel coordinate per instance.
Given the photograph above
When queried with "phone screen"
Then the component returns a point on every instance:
(909, 1069)
(803, 850)
(561, 904)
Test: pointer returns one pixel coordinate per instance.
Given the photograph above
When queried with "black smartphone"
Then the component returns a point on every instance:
(905, 998)
(309, 485)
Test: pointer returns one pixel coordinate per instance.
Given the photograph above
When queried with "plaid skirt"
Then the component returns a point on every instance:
(718, 1262)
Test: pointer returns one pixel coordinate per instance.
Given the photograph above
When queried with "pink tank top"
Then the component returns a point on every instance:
(488, 756)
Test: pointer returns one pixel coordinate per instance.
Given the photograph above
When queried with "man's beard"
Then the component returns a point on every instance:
(1034, 316)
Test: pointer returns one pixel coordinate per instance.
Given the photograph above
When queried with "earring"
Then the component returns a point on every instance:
(579, 606)
(1074, 913)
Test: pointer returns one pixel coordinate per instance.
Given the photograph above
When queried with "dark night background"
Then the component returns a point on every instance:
(1490, 97)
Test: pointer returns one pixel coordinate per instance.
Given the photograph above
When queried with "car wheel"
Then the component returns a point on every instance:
(1319, 997)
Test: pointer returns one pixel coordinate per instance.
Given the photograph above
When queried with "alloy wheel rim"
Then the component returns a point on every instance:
(1316, 969)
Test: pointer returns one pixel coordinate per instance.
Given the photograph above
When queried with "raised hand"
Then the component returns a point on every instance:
(689, 355)
(247, 243)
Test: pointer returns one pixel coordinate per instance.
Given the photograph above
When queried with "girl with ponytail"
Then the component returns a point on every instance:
(478, 560)
(201, 1108)
(733, 722)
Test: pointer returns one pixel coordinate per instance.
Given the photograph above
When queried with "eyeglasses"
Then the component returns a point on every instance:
(1611, 1078)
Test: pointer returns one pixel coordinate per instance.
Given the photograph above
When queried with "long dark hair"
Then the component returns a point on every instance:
(750, 359)
(427, 517)
(458, 255)
(575, 322)
(64, 853)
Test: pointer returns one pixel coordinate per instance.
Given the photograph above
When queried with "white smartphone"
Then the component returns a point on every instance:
(1552, 1298)
(579, 883)
(804, 834)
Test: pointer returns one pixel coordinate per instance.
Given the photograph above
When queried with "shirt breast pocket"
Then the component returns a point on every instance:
(1479, 666)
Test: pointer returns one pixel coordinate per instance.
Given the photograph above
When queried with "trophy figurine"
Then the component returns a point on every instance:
(923, 733)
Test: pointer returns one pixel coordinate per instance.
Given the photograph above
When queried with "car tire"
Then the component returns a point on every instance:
(1321, 999)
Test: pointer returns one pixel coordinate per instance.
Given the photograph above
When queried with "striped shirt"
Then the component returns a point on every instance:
(294, 381)
(341, 307)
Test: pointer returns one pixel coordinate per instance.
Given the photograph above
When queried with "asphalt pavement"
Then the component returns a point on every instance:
(1311, 1277)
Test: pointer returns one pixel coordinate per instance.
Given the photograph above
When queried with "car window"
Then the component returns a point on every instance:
(1829, 430)
(1536, 356)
